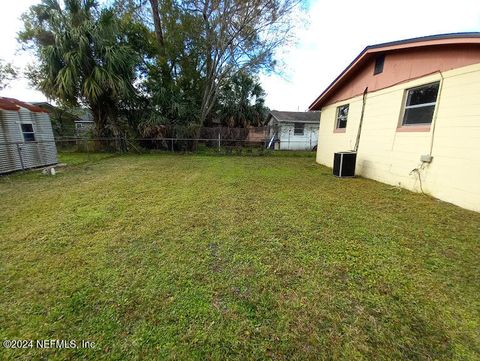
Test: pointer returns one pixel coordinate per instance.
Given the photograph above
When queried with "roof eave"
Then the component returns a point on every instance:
(463, 38)
(299, 121)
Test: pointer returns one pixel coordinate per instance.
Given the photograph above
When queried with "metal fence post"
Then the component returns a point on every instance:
(19, 150)
(267, 136)
(219, 141)
(288, 146)
(87, 148)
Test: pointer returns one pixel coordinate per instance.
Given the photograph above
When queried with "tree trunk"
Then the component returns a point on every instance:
(157, 21)
(100, 120)
(162, 54)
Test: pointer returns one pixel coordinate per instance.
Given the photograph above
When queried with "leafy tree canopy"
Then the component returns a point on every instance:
(241, 102)
(147, 64)
(85, 56)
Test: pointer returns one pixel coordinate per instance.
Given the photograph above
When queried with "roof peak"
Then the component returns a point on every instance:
(291, 111)
(426, 38)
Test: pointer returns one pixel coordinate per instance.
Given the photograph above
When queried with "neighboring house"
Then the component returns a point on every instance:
(26, 136)
(84, 125)
(411, 109)
(63, 121)
(293, 130)
(74, 122)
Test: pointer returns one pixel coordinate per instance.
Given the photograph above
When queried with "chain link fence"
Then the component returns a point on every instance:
(221, 139)
(236, 141)
(152, 145)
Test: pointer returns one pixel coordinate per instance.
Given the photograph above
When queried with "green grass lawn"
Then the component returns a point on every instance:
(213, 257)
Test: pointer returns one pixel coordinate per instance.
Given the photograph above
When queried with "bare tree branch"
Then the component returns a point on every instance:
(239, 35)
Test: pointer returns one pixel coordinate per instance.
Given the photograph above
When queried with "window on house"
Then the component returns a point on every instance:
(299, 129)
(379, 61)
(28, 133)
(342, 115)
(420, 104)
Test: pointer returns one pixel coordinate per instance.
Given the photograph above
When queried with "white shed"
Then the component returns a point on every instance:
(293, 130)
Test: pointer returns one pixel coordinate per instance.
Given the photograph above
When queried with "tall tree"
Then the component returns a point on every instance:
(239, 36)
(173, 81)
(84, 57)
(209, 41)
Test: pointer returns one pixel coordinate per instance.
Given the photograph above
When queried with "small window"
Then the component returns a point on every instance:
(420, 104)
(299, 129)
(342, 115)
(28, 133)
(379, 61)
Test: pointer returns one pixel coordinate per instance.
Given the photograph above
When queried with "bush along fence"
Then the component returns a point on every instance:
(151, 145)
(221, 139)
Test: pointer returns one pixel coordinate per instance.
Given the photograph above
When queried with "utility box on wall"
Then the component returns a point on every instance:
(344, 164)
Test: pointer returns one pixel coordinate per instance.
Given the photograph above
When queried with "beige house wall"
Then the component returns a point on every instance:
(388, 155)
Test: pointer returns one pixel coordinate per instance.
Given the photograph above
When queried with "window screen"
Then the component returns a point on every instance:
(28, 133)
(420, 104)
(299, 129)
(342, 115)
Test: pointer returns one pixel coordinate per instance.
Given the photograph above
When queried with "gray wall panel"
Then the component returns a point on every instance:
(39, 153)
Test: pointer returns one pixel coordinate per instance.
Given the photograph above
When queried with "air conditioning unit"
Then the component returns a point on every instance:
(344, 164)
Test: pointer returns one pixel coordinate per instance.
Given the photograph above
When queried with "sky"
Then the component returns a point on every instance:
(332, 35)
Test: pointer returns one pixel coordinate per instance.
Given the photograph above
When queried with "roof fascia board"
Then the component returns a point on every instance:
(299, 121)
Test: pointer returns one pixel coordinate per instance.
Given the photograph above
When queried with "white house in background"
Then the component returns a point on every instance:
(293, 130)
(84, 124)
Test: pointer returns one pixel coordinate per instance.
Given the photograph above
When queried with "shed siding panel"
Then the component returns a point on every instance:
(46, 139)
(30, 154)
(9, 133)
(14, 151)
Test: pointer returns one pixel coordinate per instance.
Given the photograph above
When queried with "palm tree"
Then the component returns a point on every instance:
(242, 102)
(84, 57)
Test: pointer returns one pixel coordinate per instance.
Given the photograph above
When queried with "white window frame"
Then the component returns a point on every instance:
(32, 132)
(406, 107)
(337, 119)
